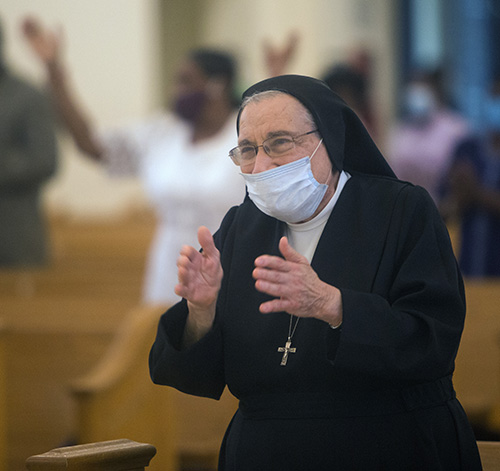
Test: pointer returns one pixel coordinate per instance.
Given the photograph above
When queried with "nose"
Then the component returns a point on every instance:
(262, 161)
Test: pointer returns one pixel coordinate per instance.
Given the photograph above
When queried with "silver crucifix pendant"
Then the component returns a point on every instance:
(285, 350)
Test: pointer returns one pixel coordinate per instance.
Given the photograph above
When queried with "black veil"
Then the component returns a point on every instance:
(349, 144)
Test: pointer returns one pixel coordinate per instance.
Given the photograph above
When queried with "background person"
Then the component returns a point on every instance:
(472, 195)
(421, 144)
(181, 156)
(28, 159)
(352, 81)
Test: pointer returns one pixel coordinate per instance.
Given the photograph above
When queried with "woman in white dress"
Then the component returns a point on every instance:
(181, 156)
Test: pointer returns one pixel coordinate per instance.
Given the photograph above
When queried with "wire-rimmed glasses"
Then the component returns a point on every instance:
(274, 146)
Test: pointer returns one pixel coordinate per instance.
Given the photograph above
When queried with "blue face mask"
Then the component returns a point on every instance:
(289, 192)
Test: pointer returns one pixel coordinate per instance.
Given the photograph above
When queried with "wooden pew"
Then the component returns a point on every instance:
(40, 363)
(60, 320)
(118, 399)
(490, 455)
(477, 370)
(3, 401)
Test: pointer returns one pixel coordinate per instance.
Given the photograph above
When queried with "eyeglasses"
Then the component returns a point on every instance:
(274, 147)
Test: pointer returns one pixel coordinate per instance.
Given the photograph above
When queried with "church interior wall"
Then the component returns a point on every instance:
(122, 56)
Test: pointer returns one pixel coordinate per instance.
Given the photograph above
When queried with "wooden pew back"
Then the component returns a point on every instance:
(477, 372)
(117, 398)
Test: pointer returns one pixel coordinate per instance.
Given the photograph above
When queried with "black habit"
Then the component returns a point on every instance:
(375, 394)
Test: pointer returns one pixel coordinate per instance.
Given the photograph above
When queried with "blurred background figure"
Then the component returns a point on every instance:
(421, 143)
(28, 158)
(352, 85)
(277, 59)
(352, 80)
(180, 155)
(473, 194)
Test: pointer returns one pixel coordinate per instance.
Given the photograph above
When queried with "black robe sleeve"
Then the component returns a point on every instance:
(196, 370)
(407, 328)
(199, 369)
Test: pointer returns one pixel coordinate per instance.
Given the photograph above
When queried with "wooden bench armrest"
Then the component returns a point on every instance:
(113, 455)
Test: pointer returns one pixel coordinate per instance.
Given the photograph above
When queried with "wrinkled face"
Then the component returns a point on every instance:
(281, 115)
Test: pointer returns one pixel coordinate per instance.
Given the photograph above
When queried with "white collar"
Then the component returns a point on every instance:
(323, 216)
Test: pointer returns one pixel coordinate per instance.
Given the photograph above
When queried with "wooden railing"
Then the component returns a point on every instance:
(115, 455)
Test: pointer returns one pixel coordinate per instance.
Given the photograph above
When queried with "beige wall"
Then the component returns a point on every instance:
(122, 55)
(329, 31)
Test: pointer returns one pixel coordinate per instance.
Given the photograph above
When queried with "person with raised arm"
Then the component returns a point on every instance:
(179, 153)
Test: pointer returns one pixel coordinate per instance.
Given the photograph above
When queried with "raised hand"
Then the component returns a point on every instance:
(296, 286)
(46, 44)
(277, 59)
(200, 277)
(199, 273)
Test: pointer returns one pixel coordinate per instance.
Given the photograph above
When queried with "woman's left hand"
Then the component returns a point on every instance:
(296, 286)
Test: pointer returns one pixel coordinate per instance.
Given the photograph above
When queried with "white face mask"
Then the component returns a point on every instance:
(289, 192)
(420, 102)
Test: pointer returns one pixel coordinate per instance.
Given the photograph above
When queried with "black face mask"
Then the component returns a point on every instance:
(189, 105)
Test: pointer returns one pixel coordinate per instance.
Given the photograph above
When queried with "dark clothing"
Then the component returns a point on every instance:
(373, 395)
(28, 154)
(480, 229)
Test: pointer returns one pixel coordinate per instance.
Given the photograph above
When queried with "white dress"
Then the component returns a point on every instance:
(188, 184)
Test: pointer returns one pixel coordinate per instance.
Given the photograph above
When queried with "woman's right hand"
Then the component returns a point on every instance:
(200, 278)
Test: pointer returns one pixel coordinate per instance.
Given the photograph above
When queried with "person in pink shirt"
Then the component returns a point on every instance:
(422, 142)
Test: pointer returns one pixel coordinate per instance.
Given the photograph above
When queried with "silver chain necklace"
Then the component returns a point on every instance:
(288, 344)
